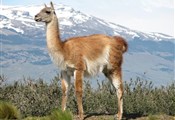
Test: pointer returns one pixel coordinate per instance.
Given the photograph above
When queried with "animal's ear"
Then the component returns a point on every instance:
(52, 5)
(45, 5)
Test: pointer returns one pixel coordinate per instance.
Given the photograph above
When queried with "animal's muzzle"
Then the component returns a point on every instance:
(37, 18)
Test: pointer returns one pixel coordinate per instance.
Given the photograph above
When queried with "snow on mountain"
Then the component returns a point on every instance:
(67, 17)
(24, 53)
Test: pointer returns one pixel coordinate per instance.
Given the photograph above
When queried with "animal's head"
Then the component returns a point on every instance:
(46, 14)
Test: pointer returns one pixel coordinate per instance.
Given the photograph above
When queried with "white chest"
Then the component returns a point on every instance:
(58, 59)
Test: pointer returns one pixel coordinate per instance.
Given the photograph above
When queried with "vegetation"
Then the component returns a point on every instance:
(38, 98)
(55, 115)
(8, 111)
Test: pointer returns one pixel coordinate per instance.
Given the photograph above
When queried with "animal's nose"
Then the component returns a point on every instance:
(37, 18)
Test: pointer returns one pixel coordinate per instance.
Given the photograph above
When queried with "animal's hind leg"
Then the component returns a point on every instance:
(65, 83)
(78, 74)
(116, 79)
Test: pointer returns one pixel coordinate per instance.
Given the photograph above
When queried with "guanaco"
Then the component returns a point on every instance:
(84, 56)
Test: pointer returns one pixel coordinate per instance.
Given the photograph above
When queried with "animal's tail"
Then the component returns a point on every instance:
(122, 44)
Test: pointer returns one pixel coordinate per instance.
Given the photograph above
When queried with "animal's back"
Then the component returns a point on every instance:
(94, 51)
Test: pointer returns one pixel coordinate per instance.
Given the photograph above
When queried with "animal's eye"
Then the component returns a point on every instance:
(48, 12)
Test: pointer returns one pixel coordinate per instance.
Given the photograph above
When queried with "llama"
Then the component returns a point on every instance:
(83, 56)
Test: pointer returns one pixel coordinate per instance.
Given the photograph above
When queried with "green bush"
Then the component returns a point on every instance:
(38, 98)
(34, 98)
(141, 97)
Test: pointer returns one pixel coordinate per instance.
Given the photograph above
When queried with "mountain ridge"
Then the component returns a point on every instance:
(22, 11)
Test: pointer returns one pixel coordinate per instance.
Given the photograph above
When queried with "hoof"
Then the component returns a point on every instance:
(80, 117)
(118, 117)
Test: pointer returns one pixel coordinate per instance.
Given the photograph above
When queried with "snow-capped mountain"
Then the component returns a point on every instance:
(24, 53)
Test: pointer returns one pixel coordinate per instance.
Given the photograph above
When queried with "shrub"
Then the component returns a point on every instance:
(141, 97)
(38, 98)
(34, 98)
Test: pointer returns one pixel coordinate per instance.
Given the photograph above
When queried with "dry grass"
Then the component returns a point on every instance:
(8, 111)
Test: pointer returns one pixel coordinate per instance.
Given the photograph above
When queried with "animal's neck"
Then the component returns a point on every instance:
(53, 35)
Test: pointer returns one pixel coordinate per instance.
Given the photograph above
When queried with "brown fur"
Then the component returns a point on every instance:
(84, 56)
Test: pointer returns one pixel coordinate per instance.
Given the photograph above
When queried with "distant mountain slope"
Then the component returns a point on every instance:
(23, 46)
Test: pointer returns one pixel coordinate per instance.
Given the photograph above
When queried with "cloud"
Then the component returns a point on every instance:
(158, 3)
(147, 9)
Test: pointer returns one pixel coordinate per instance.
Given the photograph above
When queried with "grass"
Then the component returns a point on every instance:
(8, 111)
(55, 115)
(60, 115)
(37, 118)
(160, 117)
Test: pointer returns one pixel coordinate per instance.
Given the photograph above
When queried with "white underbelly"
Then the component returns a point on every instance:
(93, 67)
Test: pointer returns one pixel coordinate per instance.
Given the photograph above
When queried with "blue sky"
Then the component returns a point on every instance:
(143, 15)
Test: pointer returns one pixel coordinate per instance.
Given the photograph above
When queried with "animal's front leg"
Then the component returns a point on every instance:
(78, 74)
(65, 83)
